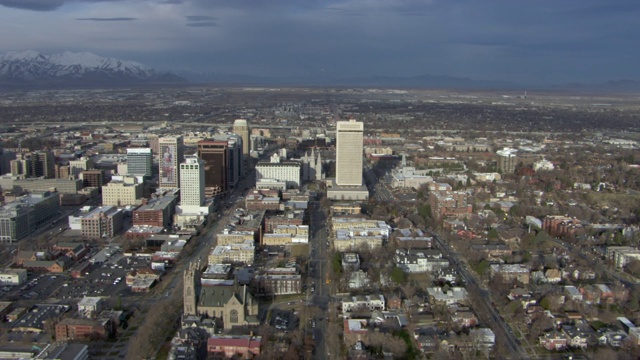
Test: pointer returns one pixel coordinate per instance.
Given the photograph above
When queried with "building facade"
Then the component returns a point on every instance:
(103, 221)
(222, 156)
(507, 160)
(93, 178)
(287, 171)
(233, 304)
(80, 165)
(27, 214)
(349, 137)
(43, 164)
(139, 161)
(241, 128)
(192, 181)
(156, 212)
(122, 193)
(171, 156)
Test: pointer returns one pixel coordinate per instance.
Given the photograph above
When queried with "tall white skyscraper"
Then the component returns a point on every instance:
(171, 156)
(349, 137)
(139, 161)
(192, 181)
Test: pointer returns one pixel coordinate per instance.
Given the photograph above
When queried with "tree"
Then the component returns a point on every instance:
(425, 211)
(398, 276)
(336, 263)
(633, 267)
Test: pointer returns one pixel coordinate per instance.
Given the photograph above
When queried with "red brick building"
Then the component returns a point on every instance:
(272, 221)
(560, 226)
(449, 204)
(83, 329)
(155, 212)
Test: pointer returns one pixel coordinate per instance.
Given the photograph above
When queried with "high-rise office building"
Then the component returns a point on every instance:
(43, 164)
(93, 178)
(214, 155)
(21, 166)
(192, 181)
(62, 171)
(349, 146)
(507, 160)
(139, 161)
(241, 128)
(6, 157)
(222, 157)
(171, 155)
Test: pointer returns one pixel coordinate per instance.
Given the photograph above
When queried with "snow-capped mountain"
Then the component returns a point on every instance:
(70, 68)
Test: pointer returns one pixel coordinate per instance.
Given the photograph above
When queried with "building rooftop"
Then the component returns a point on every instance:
(89, 301)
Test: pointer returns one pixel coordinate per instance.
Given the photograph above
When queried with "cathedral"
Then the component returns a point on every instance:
(312, 166)
(227, 301)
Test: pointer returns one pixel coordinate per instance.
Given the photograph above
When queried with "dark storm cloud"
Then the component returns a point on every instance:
(200, 18)
(203, 24)
(201, 21)
(36, 5)
(568, 40)
(108, 19)
(43, 5)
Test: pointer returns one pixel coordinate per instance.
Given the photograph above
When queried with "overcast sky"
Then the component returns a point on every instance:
(530, 41)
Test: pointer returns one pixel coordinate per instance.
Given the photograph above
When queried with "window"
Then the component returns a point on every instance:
(233, 316)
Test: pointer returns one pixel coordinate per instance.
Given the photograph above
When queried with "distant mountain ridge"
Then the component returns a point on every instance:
(426, 81)
(68, 69)
(422, 81)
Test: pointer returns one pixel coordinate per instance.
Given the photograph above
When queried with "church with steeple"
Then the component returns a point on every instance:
(223, 300)
(312, 166)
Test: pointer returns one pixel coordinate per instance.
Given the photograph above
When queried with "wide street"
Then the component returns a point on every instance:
(487, 311)
(321, 296)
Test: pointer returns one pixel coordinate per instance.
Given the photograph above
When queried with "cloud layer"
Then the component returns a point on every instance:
(538, 42)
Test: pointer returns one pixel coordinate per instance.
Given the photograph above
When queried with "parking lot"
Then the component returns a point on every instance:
(107, 279)
(284, 320)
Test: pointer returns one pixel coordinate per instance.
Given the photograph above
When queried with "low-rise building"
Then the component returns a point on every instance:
(83, 329)
(553, 341)
(13, 277)
(622, 255)
(234, 253)
(242, 346)
(371, 302)
(121, 193)
(420, 260)
(156, 212)
(493, 250)
(451, 296)
(27, 214)
(350, 261)
(89, 306)
(512, 272)
(234, 237)
(276, 282)
(102, 221)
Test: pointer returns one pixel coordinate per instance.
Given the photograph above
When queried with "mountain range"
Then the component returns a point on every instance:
(32, 69)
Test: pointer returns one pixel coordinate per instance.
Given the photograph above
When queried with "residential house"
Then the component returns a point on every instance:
(554, 340)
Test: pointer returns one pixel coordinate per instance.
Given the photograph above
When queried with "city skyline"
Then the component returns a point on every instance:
(526, 42)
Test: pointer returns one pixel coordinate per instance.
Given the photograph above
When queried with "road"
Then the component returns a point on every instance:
(206, 241)
(487, 312)
(321, 297)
